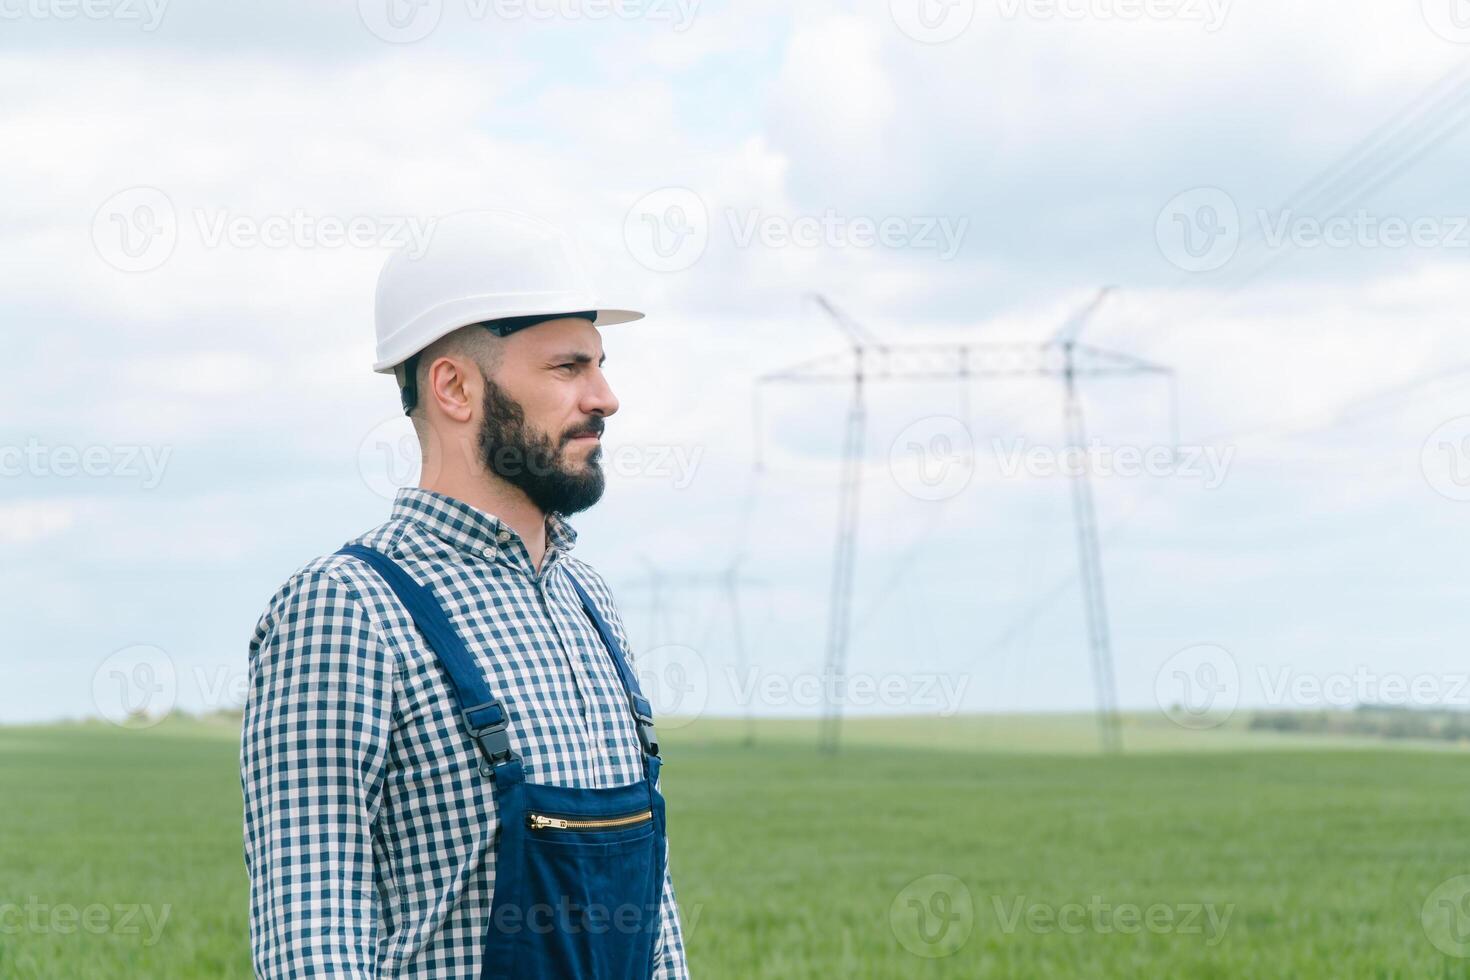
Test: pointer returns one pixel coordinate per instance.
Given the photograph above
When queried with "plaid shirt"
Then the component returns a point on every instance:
(369, 829)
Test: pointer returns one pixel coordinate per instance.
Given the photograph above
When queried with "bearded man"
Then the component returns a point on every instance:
(448, 768)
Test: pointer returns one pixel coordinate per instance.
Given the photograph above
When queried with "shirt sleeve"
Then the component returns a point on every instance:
(317, 721)
(671, 964)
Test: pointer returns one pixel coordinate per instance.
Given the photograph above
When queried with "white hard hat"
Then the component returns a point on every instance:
(479, 266)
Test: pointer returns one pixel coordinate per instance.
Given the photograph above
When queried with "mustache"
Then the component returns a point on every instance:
(594, 427)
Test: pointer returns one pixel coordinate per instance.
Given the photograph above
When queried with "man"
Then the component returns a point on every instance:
(447, 767)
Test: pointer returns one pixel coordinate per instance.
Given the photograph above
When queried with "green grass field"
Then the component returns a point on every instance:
(1217, 854)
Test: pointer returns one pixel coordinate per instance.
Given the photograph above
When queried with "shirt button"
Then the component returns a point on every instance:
(503, 537)
(488, 552)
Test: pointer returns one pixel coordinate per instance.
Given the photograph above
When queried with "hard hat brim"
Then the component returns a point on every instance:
(605, 318)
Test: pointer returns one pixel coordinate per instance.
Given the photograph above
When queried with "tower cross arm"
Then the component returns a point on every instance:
(930, 362)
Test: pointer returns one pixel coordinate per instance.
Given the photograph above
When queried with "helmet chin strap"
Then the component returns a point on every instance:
(407, 374)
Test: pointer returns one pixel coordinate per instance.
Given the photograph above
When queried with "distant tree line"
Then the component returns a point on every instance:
(1380, 721)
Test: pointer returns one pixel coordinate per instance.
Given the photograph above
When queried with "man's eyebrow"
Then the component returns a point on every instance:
(579, 357)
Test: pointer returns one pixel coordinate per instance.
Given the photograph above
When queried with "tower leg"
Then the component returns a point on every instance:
(839, 621)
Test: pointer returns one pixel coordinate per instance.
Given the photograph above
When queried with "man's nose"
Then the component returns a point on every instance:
(600, 399)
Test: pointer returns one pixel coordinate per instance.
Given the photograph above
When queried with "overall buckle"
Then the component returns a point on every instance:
(493, 739)
(643, 715)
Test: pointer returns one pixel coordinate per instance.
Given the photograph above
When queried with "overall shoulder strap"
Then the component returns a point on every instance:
(484, 717)
(639, 705)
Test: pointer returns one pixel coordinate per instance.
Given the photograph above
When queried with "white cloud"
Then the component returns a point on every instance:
(29, 521)
(1058, 140)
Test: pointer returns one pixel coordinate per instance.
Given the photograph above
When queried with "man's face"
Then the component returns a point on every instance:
(544, 408)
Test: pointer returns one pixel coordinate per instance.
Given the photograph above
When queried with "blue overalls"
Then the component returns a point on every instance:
(578, 872)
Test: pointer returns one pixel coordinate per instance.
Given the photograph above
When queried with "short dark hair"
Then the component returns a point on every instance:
(479, 345)
(408, 372)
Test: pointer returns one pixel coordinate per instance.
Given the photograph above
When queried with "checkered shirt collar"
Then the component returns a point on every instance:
(467, 528)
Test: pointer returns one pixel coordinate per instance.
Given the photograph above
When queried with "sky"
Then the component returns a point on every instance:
(199, 196)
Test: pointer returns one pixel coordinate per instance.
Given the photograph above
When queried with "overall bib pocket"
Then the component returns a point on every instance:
(582, 899)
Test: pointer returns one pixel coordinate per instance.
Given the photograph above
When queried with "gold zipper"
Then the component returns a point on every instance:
(540, 821)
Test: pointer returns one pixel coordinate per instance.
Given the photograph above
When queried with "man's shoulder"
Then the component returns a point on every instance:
(333, 584)
(590, 579)
(599, 591)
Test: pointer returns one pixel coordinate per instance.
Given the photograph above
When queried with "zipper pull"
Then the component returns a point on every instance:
(540, 822)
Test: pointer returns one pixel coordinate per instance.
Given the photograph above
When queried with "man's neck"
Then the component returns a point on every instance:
(509, 503)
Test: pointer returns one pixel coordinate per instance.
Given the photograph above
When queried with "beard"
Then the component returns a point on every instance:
(530, 460)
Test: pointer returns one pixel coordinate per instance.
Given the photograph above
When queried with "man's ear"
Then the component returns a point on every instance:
(453, 387)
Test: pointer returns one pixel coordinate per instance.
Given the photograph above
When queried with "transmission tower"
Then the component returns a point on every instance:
(1062, 356)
